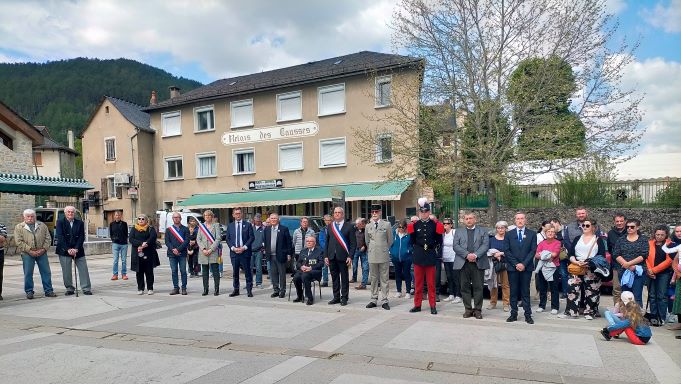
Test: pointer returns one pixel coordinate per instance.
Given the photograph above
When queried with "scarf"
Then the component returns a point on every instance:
(142, 228)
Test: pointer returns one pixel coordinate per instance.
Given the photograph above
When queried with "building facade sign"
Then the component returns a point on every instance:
(279, 132)
(266, 184)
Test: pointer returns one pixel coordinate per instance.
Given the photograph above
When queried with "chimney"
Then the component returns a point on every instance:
(174, 91)
(153, 99)
(69, 136)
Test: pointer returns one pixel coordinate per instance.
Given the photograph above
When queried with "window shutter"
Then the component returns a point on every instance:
(171, 124)
(119, 192)
(333, 153)
(290, 157)
(105, 188)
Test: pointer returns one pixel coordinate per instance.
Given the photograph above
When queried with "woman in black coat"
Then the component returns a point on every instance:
(143, 255)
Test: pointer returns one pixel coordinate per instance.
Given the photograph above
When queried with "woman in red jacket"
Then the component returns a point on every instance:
(659, 269)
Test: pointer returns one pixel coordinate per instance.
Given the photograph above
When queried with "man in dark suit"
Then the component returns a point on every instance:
(470, 245)
(70, 234)
(340, 248)
(239, 239)
(278, 247)
(521, 243)
(308, 268)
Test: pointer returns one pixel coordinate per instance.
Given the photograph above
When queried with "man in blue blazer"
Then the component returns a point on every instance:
(278, 247)
(70, 235)
(521, 243)
(239, 239)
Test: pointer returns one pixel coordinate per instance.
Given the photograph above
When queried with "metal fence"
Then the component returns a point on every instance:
(622, 194)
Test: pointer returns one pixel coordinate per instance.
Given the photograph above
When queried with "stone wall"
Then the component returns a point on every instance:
(650, 217)
(20, 161)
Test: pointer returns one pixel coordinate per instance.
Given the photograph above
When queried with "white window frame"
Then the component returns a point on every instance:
(163, 121)
(333, 140)
(286, 96)
(379, 155)
(198, 110)
(325, 89)
(202, 155)
(302, 156)
(236, 152)
(379, 81)
(115, 149)
(240, 103)
(165, 167)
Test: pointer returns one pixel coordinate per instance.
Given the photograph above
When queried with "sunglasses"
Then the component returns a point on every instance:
(586, 225)
(447, 223)
(631, 226)
(141, 218)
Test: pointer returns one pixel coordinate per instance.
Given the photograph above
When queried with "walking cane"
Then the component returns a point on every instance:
(75, 275)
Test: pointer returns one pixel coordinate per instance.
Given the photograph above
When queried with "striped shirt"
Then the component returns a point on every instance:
(3, 232)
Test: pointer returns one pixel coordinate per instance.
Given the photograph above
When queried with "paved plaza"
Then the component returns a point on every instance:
(116, 336)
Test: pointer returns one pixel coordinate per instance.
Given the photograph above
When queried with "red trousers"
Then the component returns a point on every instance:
(633, 338)
(419, 272)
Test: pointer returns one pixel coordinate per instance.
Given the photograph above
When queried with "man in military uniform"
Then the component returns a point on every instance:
(426, 238)
(308, 268)
(378, 238)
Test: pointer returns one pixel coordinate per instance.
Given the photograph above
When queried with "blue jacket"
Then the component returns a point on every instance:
(322, 238)
(401, 249)
(172, 242)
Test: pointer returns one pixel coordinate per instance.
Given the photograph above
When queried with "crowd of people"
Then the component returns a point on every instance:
(569, 262)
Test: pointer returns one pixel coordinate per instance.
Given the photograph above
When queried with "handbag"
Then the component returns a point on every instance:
(158, 244)
(563, 254)
(499, 265)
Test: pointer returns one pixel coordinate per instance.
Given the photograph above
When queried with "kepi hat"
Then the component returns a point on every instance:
(423, 204)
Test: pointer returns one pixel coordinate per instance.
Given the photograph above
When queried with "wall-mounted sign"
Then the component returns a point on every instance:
(279, 132)
(266, 184)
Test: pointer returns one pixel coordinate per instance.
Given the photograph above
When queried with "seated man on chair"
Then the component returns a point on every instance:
(308, 268)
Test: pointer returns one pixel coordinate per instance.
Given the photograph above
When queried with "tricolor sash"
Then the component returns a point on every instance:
(206, 232)
(339, 237)
(176, 234)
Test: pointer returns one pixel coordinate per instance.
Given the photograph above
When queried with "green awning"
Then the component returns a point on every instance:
(41, 185)
(388, 190)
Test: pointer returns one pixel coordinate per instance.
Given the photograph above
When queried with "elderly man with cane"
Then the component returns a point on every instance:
(70, 234)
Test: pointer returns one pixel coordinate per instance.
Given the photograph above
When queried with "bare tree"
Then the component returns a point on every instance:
(471, 48)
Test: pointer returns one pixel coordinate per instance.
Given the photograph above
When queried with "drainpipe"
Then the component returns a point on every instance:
(133, 204)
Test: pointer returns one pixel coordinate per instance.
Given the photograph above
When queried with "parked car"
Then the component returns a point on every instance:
(49, 216)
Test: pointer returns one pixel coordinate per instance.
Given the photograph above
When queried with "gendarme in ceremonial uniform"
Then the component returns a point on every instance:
(426, 238)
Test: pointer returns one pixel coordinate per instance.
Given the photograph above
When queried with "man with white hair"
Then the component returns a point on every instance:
(33, 240)
(70, 234)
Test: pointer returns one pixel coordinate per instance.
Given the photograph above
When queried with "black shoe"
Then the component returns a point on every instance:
(234, 293)
(528, 320)
(654, 322)
(437, 298)
(249, 293)
(415, 309)
(205, 293)
(87, 293)
(275, 294)
(175, 291)
(298, 300)
(184, 291)
(325, 284)
(309, 302)
(372, 305)
(344, 302)
(334, 301)
(512, 318)
(433, 311)
(216, 293)
(385, 306)
(352, 281)
(69, 293)
(50, 294)
(29, 295)
(282, 295)
(606, 334)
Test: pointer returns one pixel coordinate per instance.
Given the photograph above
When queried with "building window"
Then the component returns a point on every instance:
(6, 140)
(383, 88)
(38, 159)
(206, 165)
(173, 168)
(171, 123)
(244, 161)
(110, 149)
(291, 157)
(332, 153)
(384, 150)
(204, 119)
(242, 113)
(289, 106)
(331, 99)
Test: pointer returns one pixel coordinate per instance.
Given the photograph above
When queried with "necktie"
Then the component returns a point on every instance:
(238, 234)
(376, 225)
(520, 235)
(337, 227)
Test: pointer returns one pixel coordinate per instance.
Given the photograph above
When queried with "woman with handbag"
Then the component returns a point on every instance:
(550, 247)
(584, 247)
(208, 240)
(497, 243)
(193, 248)
(143, 255)
(448, 256)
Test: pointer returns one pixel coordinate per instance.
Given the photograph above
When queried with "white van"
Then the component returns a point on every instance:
(165, 219)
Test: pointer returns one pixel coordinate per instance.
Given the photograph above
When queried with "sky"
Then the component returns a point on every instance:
(207, 40)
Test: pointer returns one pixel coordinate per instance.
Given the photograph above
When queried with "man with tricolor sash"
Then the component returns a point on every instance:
(177, 240)
(340, 248)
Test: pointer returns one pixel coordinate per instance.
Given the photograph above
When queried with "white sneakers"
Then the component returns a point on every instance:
(539, 310)
(151, 292)
(554, 311)
(397, 295)
(588, 317)
(407, 296)
(449, 298)
(140, 292)
(456, 300)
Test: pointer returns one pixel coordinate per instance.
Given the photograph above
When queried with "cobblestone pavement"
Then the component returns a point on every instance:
(116, 336)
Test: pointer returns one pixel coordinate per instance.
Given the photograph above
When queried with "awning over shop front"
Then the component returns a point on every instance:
(388, 190)
(41, 185)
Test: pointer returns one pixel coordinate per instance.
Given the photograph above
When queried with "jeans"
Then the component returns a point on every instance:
(453, 279)
(119, 251)
(67, 273)
(564, 276)
(178, 262)
(359, 255)
(657, 293)
(256, 262)
(29, 263)
(402, 273)
(325, 274)
(544, 287)
(637, 288)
